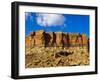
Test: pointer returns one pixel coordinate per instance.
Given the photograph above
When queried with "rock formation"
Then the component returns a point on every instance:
(73, 37)
(65, 39)
(84, 39)
(39, 38)
(49, 38)
(42, 38)
(30, 40)
(59, 39)
(79, 40)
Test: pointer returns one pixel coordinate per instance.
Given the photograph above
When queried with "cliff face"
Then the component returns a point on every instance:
(42, 38)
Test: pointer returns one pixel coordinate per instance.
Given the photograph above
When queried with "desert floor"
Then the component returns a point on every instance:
(37, 57)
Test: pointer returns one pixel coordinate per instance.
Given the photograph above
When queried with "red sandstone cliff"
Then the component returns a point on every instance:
(42, 38)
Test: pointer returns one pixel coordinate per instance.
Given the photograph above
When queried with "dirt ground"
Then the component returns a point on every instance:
(37, 57)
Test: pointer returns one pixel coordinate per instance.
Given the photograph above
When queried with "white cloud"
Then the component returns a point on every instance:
(50, 19)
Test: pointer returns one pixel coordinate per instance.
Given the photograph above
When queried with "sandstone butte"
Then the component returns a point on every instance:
(42, 38)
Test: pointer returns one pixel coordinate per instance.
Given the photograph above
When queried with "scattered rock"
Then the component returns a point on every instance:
(62, 53)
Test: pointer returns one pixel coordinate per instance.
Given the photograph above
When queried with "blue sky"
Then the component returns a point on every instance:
(56, 22)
